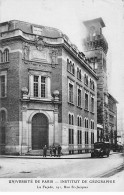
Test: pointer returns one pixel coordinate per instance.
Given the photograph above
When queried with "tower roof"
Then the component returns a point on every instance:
(96, 20)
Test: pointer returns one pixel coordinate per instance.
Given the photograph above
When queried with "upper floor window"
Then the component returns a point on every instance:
(4, 56)
(3, 84)
(78, 73)
(39, 85)
(92, 103)
(1, 57)
(111, 118)
(86, 122)
(71, 119)
(86, 79)
(70, 66)
(2, 116)
(92, 124)
(70, 91)
(79, 121)
(92, 85)
(86, 101)
(79, 98)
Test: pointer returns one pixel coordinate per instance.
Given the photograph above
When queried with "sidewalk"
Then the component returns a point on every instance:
(68, 156)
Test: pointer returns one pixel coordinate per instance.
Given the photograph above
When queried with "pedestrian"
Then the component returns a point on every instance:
(54, 150)
(59, 151)
(44, 151)
(51, 150)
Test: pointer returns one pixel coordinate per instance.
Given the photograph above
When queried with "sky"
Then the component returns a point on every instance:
(68, 16)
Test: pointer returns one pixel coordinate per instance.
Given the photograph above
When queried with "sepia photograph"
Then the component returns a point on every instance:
(61, 95)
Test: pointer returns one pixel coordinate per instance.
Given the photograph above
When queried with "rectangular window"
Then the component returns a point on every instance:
(39, 86)
(3, 84)
(79, 97)
(42, 86)
(3, 138)
(79, 136)
(92, 138)
(86, 79)
(86, 138)
(36, 86)
(70, 93)
(86, 101)
(111, 118)
(92, 104)
(71, 136)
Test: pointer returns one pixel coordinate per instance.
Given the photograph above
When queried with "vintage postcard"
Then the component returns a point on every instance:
(61, 95)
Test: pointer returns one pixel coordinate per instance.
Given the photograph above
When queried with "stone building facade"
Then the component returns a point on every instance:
(96, 47)
(48, 92)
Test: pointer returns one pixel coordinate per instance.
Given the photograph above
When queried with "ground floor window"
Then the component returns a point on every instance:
(71, 136)
(86, 138)
(92, 138)
(3, 135)
(79, 136)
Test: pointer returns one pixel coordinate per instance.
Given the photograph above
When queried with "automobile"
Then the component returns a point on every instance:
(118, 147)
(100, 149)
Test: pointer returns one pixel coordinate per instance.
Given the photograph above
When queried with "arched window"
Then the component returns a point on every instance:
(69, 119)
(3, 116)
(91, 125)
(6, 55)
(85, 123)
(80, 74)
(72, 120)
(77, 72)
(72, 69)
(80, 121)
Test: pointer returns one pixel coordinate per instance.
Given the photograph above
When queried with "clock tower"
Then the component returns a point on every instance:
(95, 49)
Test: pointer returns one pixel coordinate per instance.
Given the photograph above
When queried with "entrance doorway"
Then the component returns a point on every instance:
(39, 131)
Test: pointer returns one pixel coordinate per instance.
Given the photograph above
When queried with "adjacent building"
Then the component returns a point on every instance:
(96, 47)
(48, 91)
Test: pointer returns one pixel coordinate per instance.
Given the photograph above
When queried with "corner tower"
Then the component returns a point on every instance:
(96, 47)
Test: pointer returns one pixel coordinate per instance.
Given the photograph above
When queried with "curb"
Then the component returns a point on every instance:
(75, 156)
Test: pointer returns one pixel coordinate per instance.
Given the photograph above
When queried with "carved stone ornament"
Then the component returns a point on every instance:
(39, 43)
(54, 55)
(24, 93)
(26, 50)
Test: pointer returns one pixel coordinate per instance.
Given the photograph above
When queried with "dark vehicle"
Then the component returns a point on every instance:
(100, 149)
(117, 148)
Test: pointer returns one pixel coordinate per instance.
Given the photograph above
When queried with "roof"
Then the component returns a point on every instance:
(27, 28)
(110, 96)
(96, 20)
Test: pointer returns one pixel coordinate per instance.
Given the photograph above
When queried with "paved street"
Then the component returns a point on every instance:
(83, 166)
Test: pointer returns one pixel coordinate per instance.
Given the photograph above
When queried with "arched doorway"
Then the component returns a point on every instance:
(39, 131)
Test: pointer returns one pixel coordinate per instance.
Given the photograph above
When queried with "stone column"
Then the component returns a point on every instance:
(24, 134)
(56, 126)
